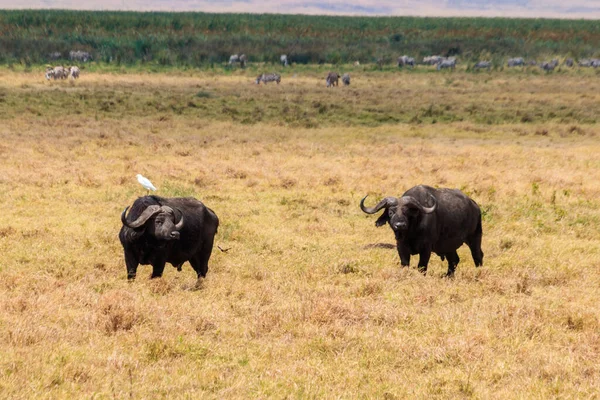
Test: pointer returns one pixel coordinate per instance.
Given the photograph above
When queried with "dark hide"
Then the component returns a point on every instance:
(426, 220)
(173, 230)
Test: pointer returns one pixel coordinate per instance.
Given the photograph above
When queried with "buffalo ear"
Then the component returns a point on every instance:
(134, 234)
(383, 219)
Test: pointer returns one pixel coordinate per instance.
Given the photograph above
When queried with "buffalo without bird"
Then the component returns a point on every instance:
(174, 230)
(426, 220)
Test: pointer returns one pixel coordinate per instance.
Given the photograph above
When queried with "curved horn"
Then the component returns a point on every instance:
(385, 203)
(429, 210)
(169, 210)
(141, 220)
(179, 225)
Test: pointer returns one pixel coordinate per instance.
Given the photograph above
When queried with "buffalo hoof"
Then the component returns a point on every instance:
(199, 284)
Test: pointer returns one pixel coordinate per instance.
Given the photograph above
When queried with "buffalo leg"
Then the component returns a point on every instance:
(200, 261)
(157, 269)
(132, 263)
(453, 260)
(474, 243)
(424, 260)
(404, 254)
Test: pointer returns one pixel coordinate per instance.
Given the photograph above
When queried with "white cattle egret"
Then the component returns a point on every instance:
(145, 182)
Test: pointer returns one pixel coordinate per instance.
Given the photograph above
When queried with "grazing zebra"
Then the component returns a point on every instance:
(483, 64)
(405, 60)
(265, 78)
(332, 79)
(242, 59)
(447, 63)
(58, 72)
(49, 73)
(515, 62)
(346, 79)
(432, 60)
(569, 62)
(549, 65)
(80, 56)
(73, 72)
(284, 60)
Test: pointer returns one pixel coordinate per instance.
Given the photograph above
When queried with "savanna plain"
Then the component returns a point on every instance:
(309, 301)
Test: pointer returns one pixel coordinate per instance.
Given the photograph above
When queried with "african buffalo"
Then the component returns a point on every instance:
(426, 220)
(174, 230)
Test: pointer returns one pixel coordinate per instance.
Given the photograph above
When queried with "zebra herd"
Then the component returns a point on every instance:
(332, 79)
(60, 72)
(74, 55)
(445, 63)
(450, 62)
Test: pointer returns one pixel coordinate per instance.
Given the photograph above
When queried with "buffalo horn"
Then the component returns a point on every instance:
(141, 220)
(169, 210)
(385, 203)
(428, 210)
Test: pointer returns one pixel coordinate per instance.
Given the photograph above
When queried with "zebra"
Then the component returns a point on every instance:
(80, 56)
(284, 60)
(58, 72)
(346, 79)
(549, 65)
(432, 60)
(483, 64)
(569, 62)
(265, 78)
(514, 62)
(332, 79)
(242, 59)
(73, 72)
(405, 60)
(447, 63)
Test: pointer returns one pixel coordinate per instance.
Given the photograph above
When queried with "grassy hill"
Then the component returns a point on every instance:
(196, 39)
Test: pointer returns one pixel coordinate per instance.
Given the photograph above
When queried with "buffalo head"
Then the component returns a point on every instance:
(158, 221)
(401, 213)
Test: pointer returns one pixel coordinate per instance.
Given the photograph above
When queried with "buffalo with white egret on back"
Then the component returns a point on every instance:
(167, 230)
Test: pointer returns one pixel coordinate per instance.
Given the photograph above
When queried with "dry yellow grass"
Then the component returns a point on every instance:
(303, 305)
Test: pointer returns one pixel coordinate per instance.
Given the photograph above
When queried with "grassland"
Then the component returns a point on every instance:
(307, 303)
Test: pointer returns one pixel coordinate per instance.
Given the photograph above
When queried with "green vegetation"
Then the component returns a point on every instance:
(196, 39)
